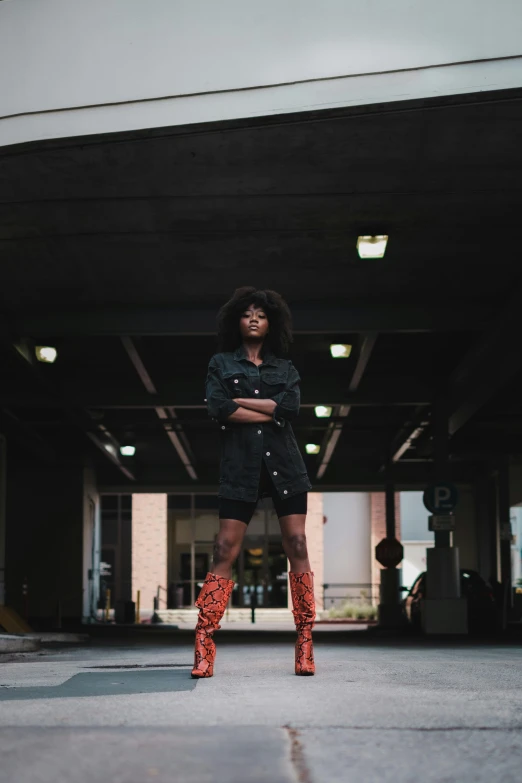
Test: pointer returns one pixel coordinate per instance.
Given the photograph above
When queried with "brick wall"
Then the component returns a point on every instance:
(378, 532)
(149, 547)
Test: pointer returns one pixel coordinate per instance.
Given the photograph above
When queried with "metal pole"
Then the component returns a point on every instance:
(390, 507)
(390, 614)
(107, 604)
(253, 603)
(138, 601)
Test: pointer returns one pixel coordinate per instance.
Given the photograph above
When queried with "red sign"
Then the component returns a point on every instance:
(389, 552)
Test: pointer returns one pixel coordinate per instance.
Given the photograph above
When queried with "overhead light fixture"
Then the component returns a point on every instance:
(127, 451)
(46, 353)
(340, 351)
(323, 411)
(110, 448)
(312, 448)
(372, 247)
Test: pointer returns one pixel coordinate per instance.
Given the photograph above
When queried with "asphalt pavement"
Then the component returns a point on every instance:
(378, 710)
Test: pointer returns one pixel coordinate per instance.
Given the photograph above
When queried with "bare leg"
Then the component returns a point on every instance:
(227, 546)
(294, 542)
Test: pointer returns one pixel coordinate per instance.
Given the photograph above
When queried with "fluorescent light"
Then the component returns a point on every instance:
(46, 353)
(372, 247)
(110, 448)
(312, 448)
(127, 451)
(340, 351)
(323, 411)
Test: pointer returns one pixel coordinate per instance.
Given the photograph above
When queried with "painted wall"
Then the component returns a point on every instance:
(346, 543)
(414, 518)
(149, 547)
(197, 60)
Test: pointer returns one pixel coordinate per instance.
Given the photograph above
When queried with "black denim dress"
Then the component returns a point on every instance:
(245, 446)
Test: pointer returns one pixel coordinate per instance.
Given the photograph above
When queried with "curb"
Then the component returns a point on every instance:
(57, 637)
(12, 643)
(345, 621)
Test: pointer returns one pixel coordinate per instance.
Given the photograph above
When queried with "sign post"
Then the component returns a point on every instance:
(443, 610)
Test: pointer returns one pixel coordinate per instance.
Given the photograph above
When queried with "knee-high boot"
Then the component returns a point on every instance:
(302, 589)
(212, 602)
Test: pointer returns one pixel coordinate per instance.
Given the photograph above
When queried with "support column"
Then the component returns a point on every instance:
(494, 549)
(390, 612)
(149, 547)
(440, 457)
(481, 501)
(443, 610)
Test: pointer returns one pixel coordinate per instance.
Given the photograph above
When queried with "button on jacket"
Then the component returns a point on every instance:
(244, 446)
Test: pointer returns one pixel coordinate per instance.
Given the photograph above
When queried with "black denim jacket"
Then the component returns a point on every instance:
(243, 446)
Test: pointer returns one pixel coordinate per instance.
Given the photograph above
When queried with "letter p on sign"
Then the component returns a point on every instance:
(440, 498)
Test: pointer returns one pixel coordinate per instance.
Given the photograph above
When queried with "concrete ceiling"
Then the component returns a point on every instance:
(145, 235)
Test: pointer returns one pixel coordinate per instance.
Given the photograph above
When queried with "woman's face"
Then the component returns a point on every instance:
(253, 323)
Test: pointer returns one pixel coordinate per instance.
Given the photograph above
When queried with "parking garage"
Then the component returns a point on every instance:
(118, 250)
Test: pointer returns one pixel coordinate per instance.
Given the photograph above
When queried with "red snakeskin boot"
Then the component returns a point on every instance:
(302, 588)
(212, 602)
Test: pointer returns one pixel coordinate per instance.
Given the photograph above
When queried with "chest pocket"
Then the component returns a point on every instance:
(236, 382)
(275, 382)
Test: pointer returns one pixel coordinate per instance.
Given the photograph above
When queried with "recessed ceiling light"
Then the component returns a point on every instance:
(312, 448)
(127, 451)
(340, 351)
(46, 353)
(323, 411)
(372, 247)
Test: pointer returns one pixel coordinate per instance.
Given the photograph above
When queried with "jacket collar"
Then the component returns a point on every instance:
(268, 356)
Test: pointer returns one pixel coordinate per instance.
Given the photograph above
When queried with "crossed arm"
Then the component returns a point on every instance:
(246, 410)
(252, 411)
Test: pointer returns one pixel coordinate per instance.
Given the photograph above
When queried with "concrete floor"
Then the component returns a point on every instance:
(377, 710)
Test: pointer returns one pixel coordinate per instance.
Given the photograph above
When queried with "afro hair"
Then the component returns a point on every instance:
(277, 311)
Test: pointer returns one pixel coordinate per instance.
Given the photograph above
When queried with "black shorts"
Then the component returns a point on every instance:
(244, 510)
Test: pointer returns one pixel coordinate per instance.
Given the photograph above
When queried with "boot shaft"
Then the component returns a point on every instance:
(303, 600)
(212, 600)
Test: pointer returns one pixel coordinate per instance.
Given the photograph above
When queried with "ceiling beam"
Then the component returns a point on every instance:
(408, 434)
(174, 433)
(183, 397)
(487, 367)
(334, 430)
(401, 317)
(405, 475)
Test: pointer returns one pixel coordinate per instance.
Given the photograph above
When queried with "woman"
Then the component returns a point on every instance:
(254, 394)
